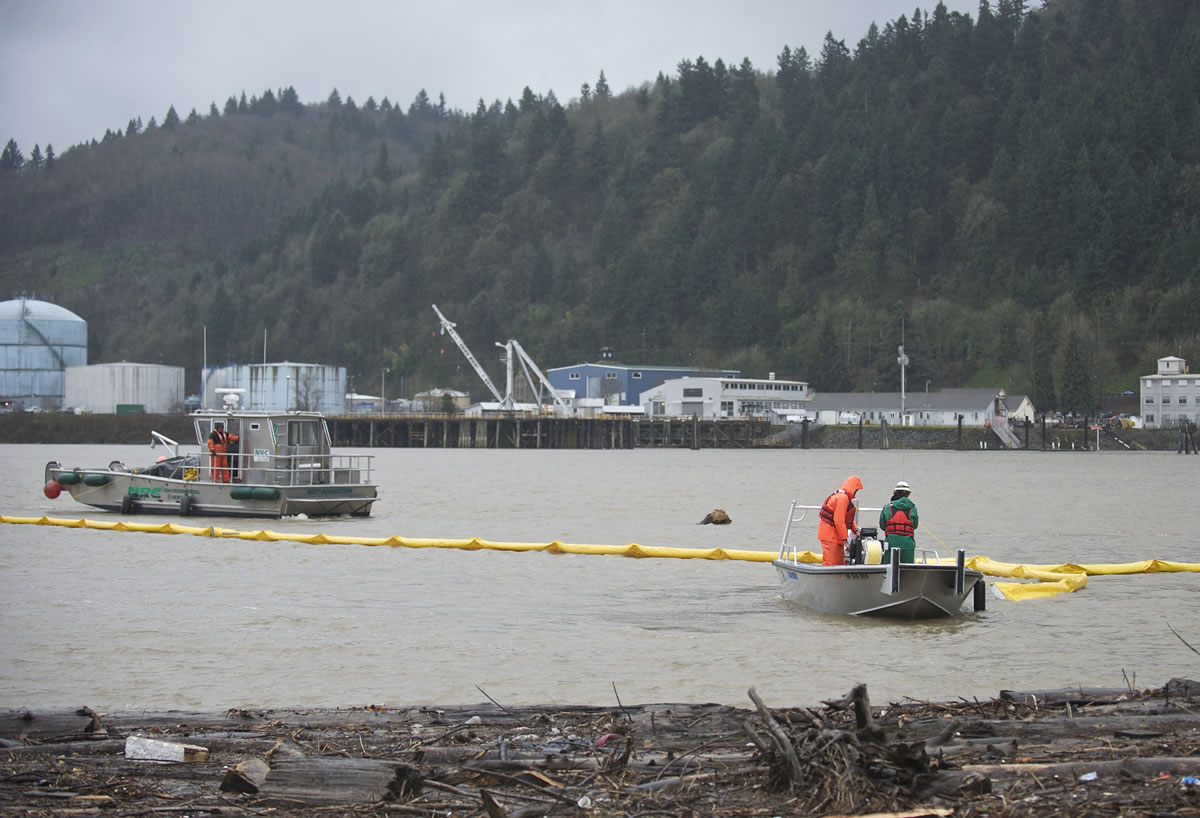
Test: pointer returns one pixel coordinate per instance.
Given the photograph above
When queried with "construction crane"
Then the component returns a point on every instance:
(527, 364)
(512, 348)
(448, 328)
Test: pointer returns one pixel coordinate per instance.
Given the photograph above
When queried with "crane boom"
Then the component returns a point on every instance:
(526, 361)
(448, 328)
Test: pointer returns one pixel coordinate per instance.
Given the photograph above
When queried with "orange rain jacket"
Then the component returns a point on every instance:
(842, 510)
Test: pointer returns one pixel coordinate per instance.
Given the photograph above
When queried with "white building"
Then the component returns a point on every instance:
(279, 387)
(1171, 395)
(435, 399)
(977, 407)
(107, 389)
(725, 398)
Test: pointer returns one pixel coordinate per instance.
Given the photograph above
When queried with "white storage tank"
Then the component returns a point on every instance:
(38, 341)
(279, 387)
(123, 388)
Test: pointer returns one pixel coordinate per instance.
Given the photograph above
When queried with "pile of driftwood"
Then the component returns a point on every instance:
(1084, 751)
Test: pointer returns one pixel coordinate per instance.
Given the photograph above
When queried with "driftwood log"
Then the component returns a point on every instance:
(1082, 751)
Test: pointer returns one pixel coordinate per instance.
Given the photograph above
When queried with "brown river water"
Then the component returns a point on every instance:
(118, 620)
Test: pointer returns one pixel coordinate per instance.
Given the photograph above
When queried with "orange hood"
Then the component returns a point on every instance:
(852, 485)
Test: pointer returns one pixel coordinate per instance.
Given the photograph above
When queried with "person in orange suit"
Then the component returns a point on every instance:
(837, 522)
(218, 444)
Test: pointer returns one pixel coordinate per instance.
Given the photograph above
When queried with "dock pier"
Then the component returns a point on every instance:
(526, 432)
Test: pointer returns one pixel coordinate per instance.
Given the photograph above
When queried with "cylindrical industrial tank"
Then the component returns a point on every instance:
(38, 341)
(280, 387)
(125, 387)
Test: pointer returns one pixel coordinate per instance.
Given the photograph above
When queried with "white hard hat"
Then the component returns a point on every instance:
(902, 486)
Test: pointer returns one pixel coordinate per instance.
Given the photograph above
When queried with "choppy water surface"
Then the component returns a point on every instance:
(115, 620)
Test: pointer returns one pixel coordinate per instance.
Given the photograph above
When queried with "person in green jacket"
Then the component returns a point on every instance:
(898, 520)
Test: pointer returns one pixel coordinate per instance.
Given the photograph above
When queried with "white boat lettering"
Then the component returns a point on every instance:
(328, 492)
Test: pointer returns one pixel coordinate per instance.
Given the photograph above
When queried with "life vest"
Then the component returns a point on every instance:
(218, 441)
(826, 513)
(898, 523)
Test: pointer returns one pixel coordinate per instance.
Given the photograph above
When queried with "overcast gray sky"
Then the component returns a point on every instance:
(70, 69)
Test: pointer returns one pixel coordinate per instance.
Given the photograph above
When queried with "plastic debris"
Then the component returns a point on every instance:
(1088, 777)
(149, 749)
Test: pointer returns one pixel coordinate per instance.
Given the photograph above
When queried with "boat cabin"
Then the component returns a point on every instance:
(271, 449)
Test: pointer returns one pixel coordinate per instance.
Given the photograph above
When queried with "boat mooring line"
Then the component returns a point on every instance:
(1048, 579)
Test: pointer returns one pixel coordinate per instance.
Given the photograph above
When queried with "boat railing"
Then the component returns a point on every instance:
(797, 513)
(923, 556)
(284, 470)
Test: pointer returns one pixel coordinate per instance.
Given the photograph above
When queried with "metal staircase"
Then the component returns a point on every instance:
(1004, 432)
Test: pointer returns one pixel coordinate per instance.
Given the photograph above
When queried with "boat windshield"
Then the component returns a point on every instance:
(302, 433)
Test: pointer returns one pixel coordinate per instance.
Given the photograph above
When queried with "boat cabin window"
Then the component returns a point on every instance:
(301, 433)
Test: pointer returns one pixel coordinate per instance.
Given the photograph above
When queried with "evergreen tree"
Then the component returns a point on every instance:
(50, 158)
(602, 91)
(171, 120)
(420, 106)
(1040, 363)
(383, 171)
(1078, 376)
(35, 158)
(11, 158)
(289, 101)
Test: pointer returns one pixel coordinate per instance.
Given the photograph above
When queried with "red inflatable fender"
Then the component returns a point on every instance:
(52, 489)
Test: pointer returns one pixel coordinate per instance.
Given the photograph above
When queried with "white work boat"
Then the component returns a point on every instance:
(283, 465)
(931, 587)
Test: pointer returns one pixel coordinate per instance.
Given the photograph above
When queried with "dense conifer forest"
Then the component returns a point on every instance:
(1013, 196)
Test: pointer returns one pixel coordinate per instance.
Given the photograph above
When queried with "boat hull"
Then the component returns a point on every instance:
(132, 493)
(923, 591)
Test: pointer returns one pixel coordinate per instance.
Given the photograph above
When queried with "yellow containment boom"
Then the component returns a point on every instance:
(1049, 579)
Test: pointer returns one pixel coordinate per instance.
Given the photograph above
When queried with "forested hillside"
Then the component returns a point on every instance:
(1014, 195)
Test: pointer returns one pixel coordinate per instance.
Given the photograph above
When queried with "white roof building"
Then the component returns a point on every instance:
(942, 408)
(1170, 395)
(719, 397)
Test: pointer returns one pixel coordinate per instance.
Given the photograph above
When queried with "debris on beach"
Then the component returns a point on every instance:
(1096, 751)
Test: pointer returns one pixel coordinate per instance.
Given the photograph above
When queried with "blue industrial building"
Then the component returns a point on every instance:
(621, 384)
